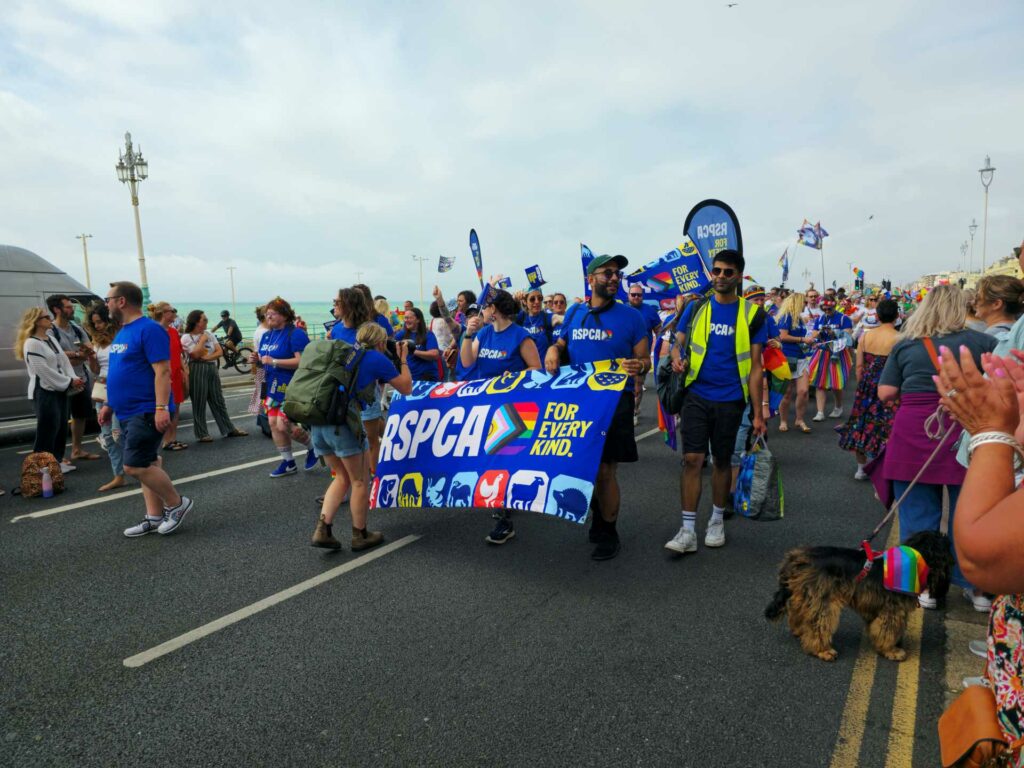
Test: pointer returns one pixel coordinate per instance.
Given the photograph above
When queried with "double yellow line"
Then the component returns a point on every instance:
(899, 752)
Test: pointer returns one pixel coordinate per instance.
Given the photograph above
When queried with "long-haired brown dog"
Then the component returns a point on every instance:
(816, 582)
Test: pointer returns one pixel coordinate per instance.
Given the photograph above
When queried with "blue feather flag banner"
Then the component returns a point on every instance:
(478, 259)
(445, 263)
(529, 441)
(712, 226)
(534, 277)
(681, 270)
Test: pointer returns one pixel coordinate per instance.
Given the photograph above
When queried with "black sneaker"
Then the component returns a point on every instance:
(503, 531)
(607, 548)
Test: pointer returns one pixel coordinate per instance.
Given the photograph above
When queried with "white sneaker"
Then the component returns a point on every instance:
(860, 474)
(715, 535)
(176, 516)
(65, 467)
(981, 603)
(836, 413)
(146, 526)
(927, 601)
(636, 419)
(978, 648)
(969, 681)
(683, 542)
(819, 416)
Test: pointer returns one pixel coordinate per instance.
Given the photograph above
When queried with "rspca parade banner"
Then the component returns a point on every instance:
(713, 227)
(681, 270)
(529, 440)
(478, 259)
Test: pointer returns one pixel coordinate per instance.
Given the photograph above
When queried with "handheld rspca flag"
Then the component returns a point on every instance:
(587, 256)
(529, 440)
(534, 277)
(504, 283)
(713, 227)
(486, 296)
(478, 259)
(445, 263)
(679, 271)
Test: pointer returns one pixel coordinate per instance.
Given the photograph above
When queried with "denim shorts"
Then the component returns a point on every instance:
(372, 411)
(140, 440)
(329, 440)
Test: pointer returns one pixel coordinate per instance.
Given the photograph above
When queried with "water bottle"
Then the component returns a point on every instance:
(47, 483)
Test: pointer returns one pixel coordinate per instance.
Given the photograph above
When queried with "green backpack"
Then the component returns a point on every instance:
(321, 391)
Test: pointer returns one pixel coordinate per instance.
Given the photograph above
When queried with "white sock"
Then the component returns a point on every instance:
(717, 514)
(286, 453)
(860, 467)
(689, 520)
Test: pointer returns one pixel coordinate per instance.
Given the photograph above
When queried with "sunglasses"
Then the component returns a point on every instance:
(636, 295)
(609, 274)
(534, 299)
(723, 271)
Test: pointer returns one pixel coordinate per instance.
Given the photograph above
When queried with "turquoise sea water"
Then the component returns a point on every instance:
(315, 313)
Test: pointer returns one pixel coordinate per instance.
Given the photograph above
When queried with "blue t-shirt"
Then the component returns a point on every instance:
(131, 389)
(282, 344)
(422, 370)
(539, 327)
(650, 316)
(341, 332)
(773, 327)
(790, 349)
(838, 321)
(719, 377)
(498, 352)
(374, 367)
(607, 335)
(384, 323)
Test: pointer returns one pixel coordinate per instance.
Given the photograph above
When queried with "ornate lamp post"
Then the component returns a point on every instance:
(963, 253)
(131, 169)
(986, 178)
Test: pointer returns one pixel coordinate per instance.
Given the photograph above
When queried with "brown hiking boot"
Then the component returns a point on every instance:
(364, 539)
(322, 536)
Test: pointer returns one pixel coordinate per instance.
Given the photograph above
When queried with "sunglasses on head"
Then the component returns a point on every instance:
(723, 271)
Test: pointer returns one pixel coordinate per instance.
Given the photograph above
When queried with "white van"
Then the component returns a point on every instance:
(25, 281)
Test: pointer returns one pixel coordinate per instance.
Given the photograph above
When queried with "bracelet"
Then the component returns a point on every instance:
(1002, 438)
(274, 363)
(469, 337)
(161, 407)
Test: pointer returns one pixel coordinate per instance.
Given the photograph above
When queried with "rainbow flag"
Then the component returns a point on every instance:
(774, 362)
(905, 570)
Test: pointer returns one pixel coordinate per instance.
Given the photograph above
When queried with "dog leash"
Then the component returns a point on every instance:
(932, 427)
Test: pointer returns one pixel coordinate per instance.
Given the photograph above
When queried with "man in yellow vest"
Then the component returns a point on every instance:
(718, 347)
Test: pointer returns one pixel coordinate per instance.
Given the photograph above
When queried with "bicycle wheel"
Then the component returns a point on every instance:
(241, 361)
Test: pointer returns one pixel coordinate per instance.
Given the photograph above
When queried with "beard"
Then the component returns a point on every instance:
(605, 291)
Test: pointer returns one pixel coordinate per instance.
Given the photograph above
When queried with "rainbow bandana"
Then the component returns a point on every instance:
(905, 570)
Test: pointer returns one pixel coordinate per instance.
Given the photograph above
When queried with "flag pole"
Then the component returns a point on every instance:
(821, 247)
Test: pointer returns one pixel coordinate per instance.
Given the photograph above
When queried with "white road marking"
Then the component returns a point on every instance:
(138, 491)
(181, 425)
(268, 602)
(648, 434)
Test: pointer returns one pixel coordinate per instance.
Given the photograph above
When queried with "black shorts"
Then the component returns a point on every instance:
(140, 440)
(620, 441)
(705, 421)
(80, 405)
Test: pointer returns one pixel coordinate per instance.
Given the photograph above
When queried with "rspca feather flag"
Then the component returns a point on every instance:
(534, 277)
(478, 259)
(679, 271)
(529, 440)
(445, 263)
(713, 227)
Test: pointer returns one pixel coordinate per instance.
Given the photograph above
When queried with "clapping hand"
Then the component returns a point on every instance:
(981, 404)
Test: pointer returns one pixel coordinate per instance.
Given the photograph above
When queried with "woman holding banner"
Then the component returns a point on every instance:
(490, 349)
(424, 355)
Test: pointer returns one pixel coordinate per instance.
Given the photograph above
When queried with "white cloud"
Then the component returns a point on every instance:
(306, 144)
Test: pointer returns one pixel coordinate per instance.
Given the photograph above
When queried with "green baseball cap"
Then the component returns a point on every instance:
(604, 259)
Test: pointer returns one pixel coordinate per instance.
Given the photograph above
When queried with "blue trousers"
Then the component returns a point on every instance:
(922, 511)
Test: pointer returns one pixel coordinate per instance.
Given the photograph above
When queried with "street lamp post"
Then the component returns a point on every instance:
(131, 169)
(421, 259)
(972, 229)
(234, 311)
(986, 178)
(85, 253)
(963, 255)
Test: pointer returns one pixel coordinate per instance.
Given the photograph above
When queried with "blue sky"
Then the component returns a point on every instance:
(304, 145)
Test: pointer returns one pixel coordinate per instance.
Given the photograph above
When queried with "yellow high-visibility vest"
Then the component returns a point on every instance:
(700, 331)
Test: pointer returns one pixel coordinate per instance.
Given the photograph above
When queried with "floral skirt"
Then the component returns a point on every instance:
(1006, 665)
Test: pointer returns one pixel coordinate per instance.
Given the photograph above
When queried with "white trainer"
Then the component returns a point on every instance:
(176, 516)
(715, 535)
(65, 467)
(860, 474)
(819, 416)
(927, 601)
(836, 413)
(978, 648)
(981, 603)
(683, 542)
(969, 681)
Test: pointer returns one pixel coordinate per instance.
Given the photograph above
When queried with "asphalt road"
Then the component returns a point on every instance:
(443, 651)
